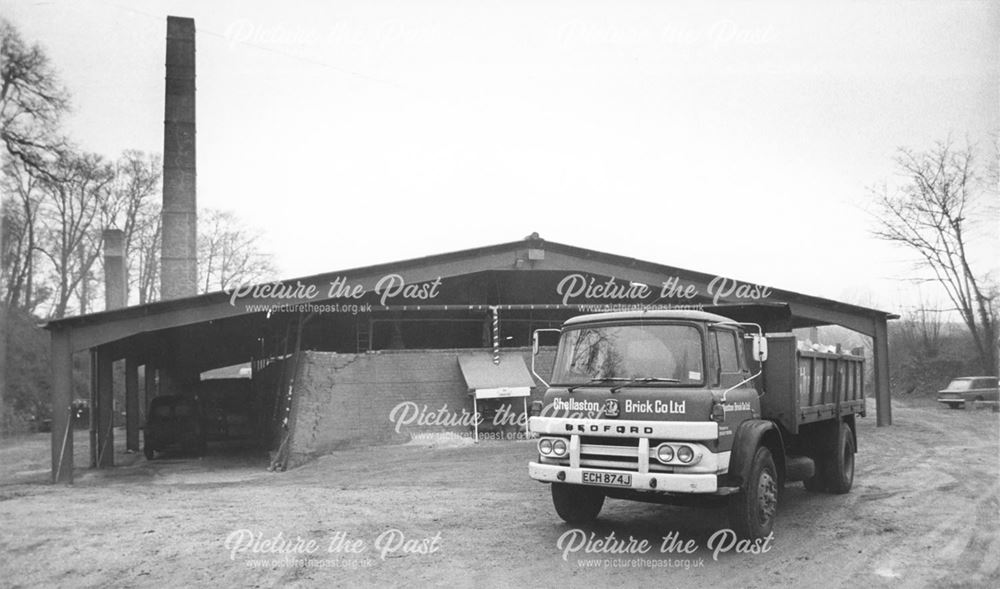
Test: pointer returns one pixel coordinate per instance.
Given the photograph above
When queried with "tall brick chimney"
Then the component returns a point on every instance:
(115, 289)
(178, 257)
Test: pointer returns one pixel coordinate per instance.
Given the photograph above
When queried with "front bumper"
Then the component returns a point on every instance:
(667, 482)
(951, 400)
(587, 452)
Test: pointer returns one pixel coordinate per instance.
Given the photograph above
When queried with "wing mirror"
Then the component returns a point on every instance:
(759, 347)
(535, 346)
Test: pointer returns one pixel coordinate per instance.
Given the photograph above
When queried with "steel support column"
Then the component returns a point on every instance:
(132, 418)
(880, 353)
(61, 366)
(102, 451)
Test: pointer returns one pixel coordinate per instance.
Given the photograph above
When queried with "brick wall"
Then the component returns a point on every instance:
(343, 400)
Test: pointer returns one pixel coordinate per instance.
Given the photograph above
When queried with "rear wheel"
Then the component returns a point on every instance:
(577, 504)
(752, 511)
(148, 452)
(838, 469)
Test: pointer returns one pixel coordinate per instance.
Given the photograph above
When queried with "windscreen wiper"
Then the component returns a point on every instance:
(634, 381)
(597, 380)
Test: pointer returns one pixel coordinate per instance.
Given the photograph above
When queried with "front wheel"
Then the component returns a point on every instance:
(577, 504)
(752, 511)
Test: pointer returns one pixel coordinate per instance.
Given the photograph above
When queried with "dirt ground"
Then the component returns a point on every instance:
(923, 513)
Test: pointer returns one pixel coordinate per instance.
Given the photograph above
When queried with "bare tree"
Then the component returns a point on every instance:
(229, 252)
(20, 241)
(930, 216)
(145, 256)
(76, 193)
(133, 207)
(32, 100)
(921, 329)
(31, 103)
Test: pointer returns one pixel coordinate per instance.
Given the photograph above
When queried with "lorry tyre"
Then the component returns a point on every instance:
(752, 511)
(577, 504)
(148, 451)
(838, 468)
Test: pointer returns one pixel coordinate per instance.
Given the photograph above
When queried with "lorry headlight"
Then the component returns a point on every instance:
(559, 448)
(685, 454)
(545, 447)
(665, 453)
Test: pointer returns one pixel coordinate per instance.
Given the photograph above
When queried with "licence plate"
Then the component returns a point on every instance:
(607, 478)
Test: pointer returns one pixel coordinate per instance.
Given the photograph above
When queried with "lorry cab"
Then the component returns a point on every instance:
(677, 382)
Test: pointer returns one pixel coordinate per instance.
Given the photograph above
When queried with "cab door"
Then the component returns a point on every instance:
(731, 369)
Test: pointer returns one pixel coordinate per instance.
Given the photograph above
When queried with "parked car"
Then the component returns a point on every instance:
(969, 389)
(227, 412)
(174, 422)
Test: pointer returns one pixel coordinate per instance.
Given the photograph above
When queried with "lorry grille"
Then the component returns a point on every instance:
(612, 454)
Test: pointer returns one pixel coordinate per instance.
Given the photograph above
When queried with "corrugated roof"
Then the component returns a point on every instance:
(585, 254)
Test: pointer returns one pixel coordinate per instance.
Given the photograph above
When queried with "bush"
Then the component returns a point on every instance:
(28, 396)
(922, 366)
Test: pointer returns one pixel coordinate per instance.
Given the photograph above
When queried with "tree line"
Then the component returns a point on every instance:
(58, 199)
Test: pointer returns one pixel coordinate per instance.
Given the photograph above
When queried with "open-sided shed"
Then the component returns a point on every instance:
(489, 297)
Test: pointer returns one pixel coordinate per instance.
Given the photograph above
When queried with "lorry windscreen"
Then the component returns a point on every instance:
(663, 354)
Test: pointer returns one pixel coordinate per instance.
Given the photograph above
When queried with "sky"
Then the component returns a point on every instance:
(734, 138)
